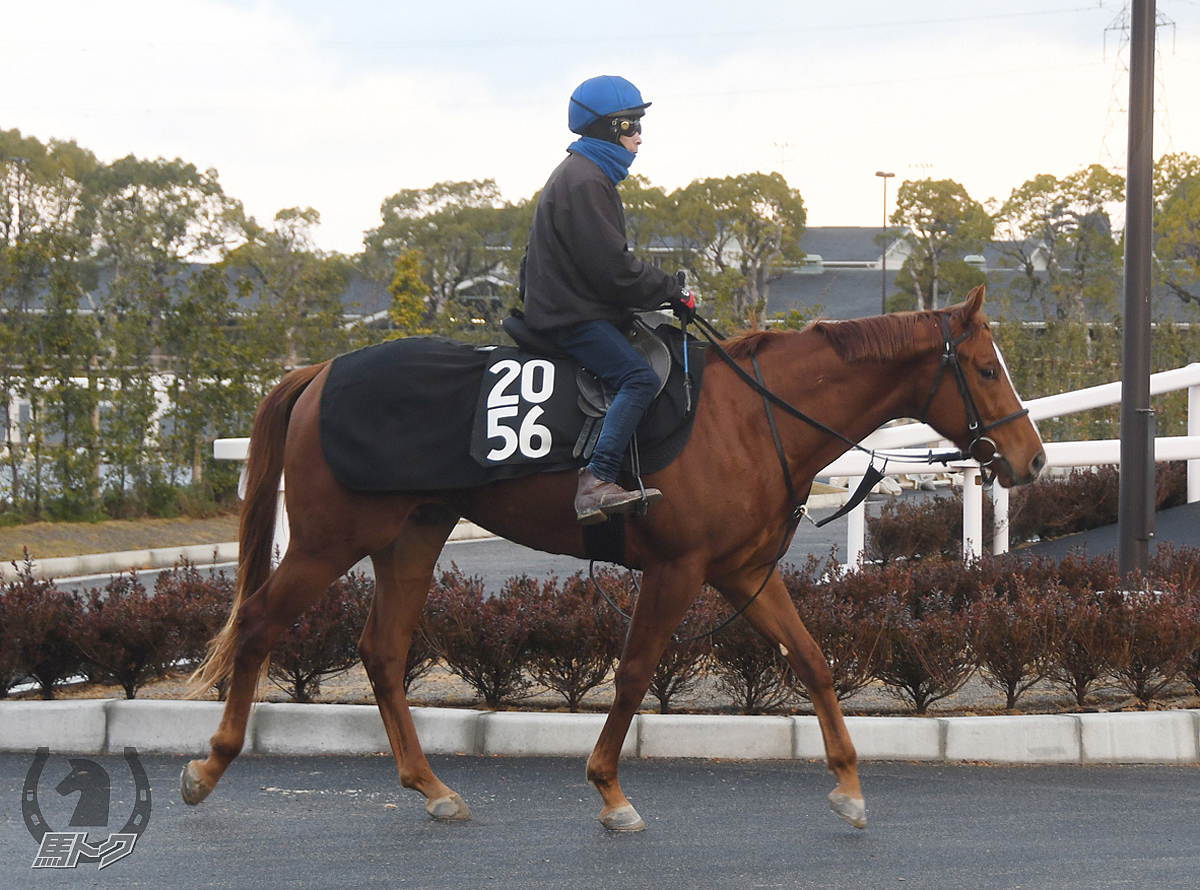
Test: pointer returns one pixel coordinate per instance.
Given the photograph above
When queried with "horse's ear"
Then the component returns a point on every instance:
(970, 307)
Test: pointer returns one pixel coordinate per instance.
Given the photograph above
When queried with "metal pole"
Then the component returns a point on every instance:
(883, 265)
(1135, 525)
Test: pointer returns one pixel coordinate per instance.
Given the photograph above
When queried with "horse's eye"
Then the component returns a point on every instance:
(989, 373)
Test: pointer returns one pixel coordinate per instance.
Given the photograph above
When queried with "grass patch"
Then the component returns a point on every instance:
(47, 540)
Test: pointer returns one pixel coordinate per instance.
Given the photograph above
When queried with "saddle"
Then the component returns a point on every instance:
(595, 396)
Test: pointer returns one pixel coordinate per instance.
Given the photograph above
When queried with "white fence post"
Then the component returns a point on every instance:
(283, 532)
(237, 449)
(1193, 473)
(856, 526)
(972, 513)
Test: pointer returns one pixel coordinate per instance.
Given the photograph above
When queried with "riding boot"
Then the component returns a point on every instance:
(596, 500)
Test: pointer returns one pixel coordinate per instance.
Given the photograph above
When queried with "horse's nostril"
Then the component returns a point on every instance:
(1038, 463)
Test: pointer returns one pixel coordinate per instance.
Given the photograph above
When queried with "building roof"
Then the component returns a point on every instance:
(846, 281)
(843, 243)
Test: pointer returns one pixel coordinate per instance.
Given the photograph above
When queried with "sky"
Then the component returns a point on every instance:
(339, 105)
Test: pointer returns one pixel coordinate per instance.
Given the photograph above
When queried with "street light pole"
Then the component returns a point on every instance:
(883, 265)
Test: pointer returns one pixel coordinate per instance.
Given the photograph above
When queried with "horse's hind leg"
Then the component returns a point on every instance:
(774, 616)
(297, 583)
(403, 572)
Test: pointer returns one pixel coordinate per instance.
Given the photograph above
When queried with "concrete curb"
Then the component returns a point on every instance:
(469, 531)
(106, 726)
(123, 561)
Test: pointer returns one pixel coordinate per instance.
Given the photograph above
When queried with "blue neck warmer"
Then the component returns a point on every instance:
(613, 159)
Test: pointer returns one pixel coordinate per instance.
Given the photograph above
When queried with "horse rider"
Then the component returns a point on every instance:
(583, 282)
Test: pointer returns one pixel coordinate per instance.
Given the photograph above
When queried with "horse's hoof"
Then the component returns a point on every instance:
(450, 808)
(193, 788)
(624, 818)
(851, 809)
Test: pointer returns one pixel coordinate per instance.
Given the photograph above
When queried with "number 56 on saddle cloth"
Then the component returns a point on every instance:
(427, 414)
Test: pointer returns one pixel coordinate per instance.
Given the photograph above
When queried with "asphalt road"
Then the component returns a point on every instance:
(496, 560)
(345, 822)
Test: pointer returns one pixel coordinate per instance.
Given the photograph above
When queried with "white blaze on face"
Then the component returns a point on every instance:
(1008, 377)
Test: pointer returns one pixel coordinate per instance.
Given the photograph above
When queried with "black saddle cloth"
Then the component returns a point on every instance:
(429, 414)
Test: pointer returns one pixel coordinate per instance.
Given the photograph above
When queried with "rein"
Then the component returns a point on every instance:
(872, 476)
(798, 511)
(982, 448)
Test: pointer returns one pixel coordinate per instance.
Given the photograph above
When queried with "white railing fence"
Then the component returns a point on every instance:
(1058, 454)
(902, 439)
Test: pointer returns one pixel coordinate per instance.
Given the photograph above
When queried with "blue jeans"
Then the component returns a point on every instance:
(603, 350)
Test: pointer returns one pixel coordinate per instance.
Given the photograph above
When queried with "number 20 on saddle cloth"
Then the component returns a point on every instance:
(428, 413)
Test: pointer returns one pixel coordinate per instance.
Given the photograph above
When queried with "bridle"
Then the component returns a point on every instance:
(982, 447)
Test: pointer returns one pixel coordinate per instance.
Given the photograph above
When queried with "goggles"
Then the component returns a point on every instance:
(627, 126)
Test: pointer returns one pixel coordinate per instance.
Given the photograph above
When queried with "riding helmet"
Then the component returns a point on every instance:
(600, 104)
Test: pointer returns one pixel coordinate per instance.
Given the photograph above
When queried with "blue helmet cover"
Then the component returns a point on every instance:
(600, 96)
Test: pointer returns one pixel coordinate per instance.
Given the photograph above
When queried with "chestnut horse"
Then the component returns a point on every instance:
(724, 515)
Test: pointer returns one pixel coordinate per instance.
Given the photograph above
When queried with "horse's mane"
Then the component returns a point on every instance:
(879, 338)
(749, 343)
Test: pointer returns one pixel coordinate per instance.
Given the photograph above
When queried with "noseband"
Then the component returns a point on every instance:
(982, 447)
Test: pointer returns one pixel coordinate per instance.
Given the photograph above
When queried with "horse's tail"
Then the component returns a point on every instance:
(256, 531)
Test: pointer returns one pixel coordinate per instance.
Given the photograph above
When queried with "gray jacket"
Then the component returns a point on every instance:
(578, 263)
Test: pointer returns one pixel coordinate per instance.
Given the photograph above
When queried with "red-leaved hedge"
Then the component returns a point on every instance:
(918, 628)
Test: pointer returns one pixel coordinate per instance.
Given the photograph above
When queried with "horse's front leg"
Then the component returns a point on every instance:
(773, 614)
(666, 593)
